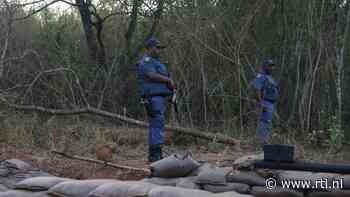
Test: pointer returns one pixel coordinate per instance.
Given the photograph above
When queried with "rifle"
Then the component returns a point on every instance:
(174, 102)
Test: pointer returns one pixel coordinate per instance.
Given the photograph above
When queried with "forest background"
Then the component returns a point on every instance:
(70, 54)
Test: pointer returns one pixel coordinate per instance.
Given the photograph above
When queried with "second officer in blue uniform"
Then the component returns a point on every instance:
(267, 94)
(155, 85)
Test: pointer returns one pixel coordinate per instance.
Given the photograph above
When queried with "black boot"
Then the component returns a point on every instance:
(151, 154)
(159, 154)
(155, 153)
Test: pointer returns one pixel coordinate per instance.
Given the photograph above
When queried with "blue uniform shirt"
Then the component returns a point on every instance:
(267, 86)
(148, 88)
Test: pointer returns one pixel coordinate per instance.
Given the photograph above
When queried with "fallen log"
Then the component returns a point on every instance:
(91, 110)
(146, 171)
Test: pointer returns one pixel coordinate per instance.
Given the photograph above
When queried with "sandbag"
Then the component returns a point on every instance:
(16, 176)
(317, 178)
(293, 175)
(122, 189)
(40, 183)
(13, 171)
(17, 164)
(77, 188)
(173, 166)
(237, 187)
(3, 188)
(334, 193)
(230, 194)
(247, 161)
(162, 181)
(246, 177)
(20, 193)
(4, 171)
(259, 191)
(213, 176)
(314, 179)
(187, 183)
(166, 191)
(202, 168)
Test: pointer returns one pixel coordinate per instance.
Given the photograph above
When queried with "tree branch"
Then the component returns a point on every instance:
(157, 15)
(30, 3)
(69, 3)
(27, 52)
(132, 27)
(113, 14)
(57, 70)
(37, 11)
(144, 170)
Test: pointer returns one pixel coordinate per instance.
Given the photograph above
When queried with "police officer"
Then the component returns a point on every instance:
(155, 85)
(267, 94)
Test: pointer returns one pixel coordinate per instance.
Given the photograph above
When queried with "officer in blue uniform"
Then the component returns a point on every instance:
(267, 94)
(155, 85)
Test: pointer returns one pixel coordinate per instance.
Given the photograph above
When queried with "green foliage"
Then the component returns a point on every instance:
(336, 134)
(214, 50)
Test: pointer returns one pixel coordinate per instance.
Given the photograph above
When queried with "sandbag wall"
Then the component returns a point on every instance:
(18, 179)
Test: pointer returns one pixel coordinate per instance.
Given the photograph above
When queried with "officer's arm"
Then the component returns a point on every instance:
(155, 77)
(258, 85)
(258, 96)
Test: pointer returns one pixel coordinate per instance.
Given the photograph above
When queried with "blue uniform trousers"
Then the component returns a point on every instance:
(265, 121)
(156, 110)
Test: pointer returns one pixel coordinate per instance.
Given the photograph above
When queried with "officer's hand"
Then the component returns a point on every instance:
(171, 85)
(264, 109)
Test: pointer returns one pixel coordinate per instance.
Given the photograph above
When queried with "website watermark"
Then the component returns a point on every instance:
(321, 183)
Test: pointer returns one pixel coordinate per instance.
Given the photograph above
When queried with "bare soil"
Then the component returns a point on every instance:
(131, 150)
(131, 156)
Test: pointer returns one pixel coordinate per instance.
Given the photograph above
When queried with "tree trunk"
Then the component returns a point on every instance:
(7, 36)
(90, 35)
(340, 50)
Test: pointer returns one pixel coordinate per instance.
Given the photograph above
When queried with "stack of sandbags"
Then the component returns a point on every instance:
(243, 181)
(184, 182)
(3, 188)
(163, 181)
(314, 178)
(167, 191)
(335, 193)
(141, 189)
(174, 166)
(255, 181)
(215, 180)
(23, 193)
(203, 180)
(175, 170)
(123, 189)
(338, 186)
(247, 177)
(77, 188)
(237, 187)
(260, 191)
(13, 171)
(40, 183)
(229, 194)
(188, 183)
(170, 172)
(247, 162)
(257, 185)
